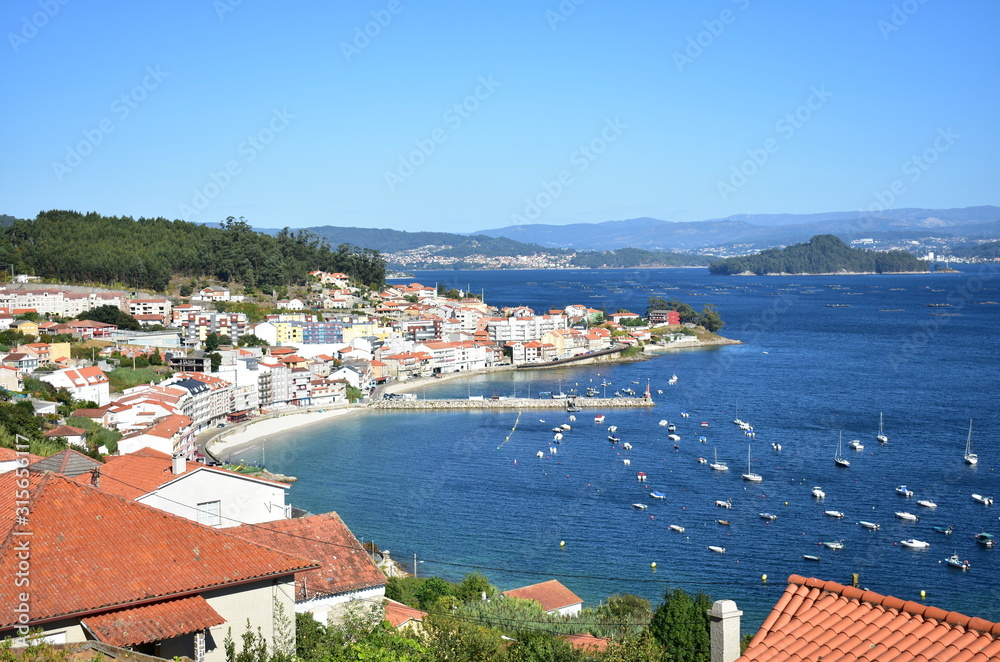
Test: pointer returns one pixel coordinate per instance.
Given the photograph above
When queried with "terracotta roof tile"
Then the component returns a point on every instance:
(551, 595)
(154, 622)
(815, 619)
(399, 614)
(344, 564)
(77, 537)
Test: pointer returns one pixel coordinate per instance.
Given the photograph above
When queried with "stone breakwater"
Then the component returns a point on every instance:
(513, 403)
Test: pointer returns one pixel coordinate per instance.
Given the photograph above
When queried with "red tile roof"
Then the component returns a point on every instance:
(551, 595)
(146, 470)
(816, 619)
(78, 537)
(586, 641)
(65, 431)
(344, 564)
(399, 614)
(154, 622)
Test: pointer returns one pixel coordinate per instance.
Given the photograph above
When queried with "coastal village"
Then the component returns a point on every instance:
(124, 537)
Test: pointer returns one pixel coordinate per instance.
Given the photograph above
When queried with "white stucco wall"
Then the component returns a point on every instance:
(241, 500)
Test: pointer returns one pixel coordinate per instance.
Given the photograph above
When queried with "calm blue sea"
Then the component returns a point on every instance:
(447, 488)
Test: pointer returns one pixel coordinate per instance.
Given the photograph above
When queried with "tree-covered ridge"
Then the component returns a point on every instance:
(392, 241)
(637, 257)
(822, 254)
(145, 253)
(986, 251)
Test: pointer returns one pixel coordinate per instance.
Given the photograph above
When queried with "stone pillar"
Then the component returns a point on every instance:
(725, 630)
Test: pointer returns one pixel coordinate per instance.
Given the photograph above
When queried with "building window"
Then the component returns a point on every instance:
(208, 513)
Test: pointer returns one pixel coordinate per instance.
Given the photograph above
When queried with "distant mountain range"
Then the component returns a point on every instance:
(759, 230)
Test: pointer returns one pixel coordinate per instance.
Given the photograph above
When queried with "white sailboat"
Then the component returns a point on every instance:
(838, 459)
(881, 435)
(718, 466)
(970, 457)
(749, 475)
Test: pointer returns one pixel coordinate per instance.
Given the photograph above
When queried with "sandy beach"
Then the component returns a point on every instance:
(259, 429)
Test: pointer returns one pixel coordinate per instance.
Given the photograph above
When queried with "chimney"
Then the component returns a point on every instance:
(179, 466)
(725, 630)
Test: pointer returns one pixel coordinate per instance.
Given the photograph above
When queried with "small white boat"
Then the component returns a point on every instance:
(970, 457)
(717, 549)
(723, 504)
(903, 491)
(776, 446)
(810, 557)
(557, 436)
(834, 513)
(572, 418)
(702, 439)
(657, 495)
(640, 506)
(599, 418)
(913, 543)
(875, 526)
(856, 444)
(985, 500)
(702, 460)
(672, 380)
(674, 437)
(926, 503)
(718, 466)
(838, 459)
(566, 426)
(641, 476)
(677, 527)
(612, 428)
(557, 429)
(749, 475)
(768, 516)
(882, 439)
(834, 544)
(909, 517)
(614, 439)
(955, 562)
(664, 423)
(818, 492)
(684, 414)
(627, 446)
(704, 424)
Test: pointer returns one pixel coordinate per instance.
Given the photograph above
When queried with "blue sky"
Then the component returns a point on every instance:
(460, 116)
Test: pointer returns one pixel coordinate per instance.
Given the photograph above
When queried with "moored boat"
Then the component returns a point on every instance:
(664, 423)
(903, 491)
(657, 495)
(703, 439)
(599, 418)
(640, 506)
(818, 492)
(768, 516)
(674, 437)
(955, 562)
(749, 475)
(970, 457)
(926, 503)
(614, 439)
(909, 517)
(723, 522)
(724, 504)
(718, 466)
(836, 514)
(947, 530)
(985, 500)
(986, 539)
(838, 459)
(810, 557)
(882, 439)
(913, 543)
(875, 526)
(834, 544)
(677, 527)
(856, 445)
(717, 549)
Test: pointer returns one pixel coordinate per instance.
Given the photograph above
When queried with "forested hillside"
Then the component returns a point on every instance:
(145, 253)
(392, 241)
(637, 257)
(820, 255)
(986, 251)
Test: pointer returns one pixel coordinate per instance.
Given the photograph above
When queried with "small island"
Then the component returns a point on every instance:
(824, 254)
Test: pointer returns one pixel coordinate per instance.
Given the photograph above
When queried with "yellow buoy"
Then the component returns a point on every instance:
(763, 578)
(653, 565)
(923, 594)
(562, 543)
(786, 503)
